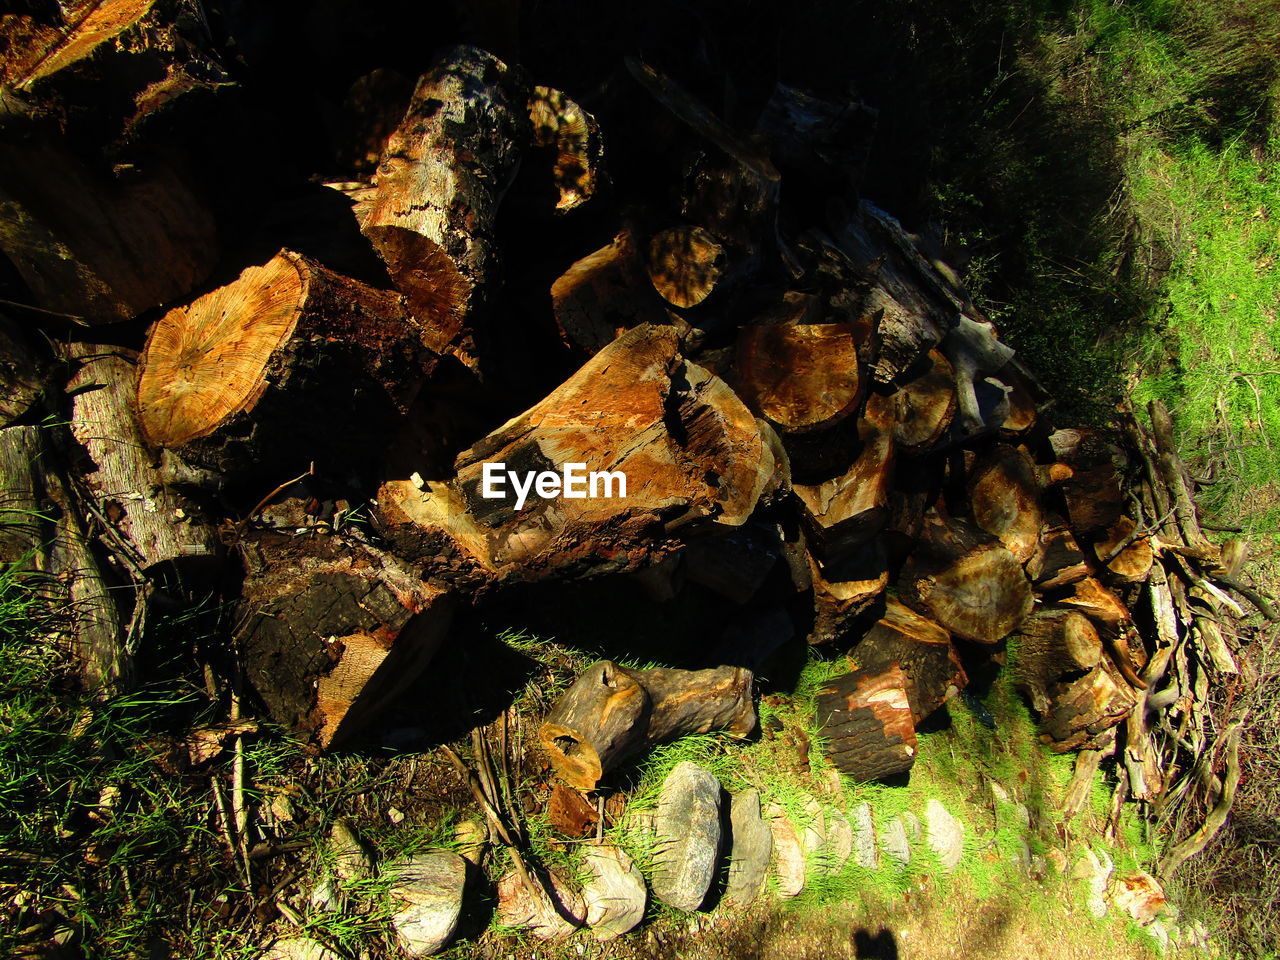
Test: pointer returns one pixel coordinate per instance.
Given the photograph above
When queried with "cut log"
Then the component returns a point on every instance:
(1005, 499)
(967, 581)
(922, 408)
(1082, 710)
(1093, 492)
(440, 181)
(1058, 560)
(691, 454)
(604, 294)
(800, 376)
(1054, 645)
(845, 590)
(865, 721)
(22, 374)
(931, 668)
(332, 630)
(846, 511)
(144, 515)
(1133, 561)
(87, 245)
(685, 265)
(289, 365)
(613, 713)
(572, 137)
(825, 143)
(735, 563)
(1097, 602)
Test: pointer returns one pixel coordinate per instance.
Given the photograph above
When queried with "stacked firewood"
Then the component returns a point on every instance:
(791, 404)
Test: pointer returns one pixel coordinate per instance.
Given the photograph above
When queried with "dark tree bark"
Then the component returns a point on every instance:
(866, 724)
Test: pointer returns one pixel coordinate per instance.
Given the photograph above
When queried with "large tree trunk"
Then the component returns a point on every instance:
(691, 454)
(439, 184)
(332, 630)
(613, 713)
(289, 365)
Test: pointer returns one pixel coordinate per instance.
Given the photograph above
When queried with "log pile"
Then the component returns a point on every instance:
(792, 406)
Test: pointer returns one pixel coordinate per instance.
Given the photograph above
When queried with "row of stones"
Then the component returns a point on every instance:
(693, 843)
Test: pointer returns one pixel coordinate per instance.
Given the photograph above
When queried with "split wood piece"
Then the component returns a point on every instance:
(41, 532)
(800, 376)
(865, 721)
(146, 516)
(604, 294)
(87, 244)
(613, 713)
(844, 512)
(824, 142)
(1216, 634)
(1083, 777)
(1082, 710)
(37, 48)
(1092, 492)
(332, 630)
(1058, 560)
(572, 136)
(288, 365)
(25, 523)
(1177, 483)
(685, 264)
(1005, 498)
(931, 667)
(22, 373)
(844, 591)
(1022, 410)
(904, 335)
(974, 352)
(734, 563)
(691, 452)
(966, 580)
(1053, 645)
(444, 173)
(922, 408)
(1133, 561)
(1100, 604)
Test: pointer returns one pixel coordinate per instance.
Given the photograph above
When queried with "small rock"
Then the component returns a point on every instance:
(945, 835)
(864, 837)
(299, 948)
(352, 860)
(814, 835)
(1138, 896)
(840, 840)
(394, 815)
(427, 899)
(1160, 934)
(1094, 870)
(911, 823)
(687, 836)
(750, 849)
(324, 896)
(1021, 856)
(998, 793)
(788, 852)
(551, 913)
(894, 842)
(471, 837)
(1056, 859)
(615, 894)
